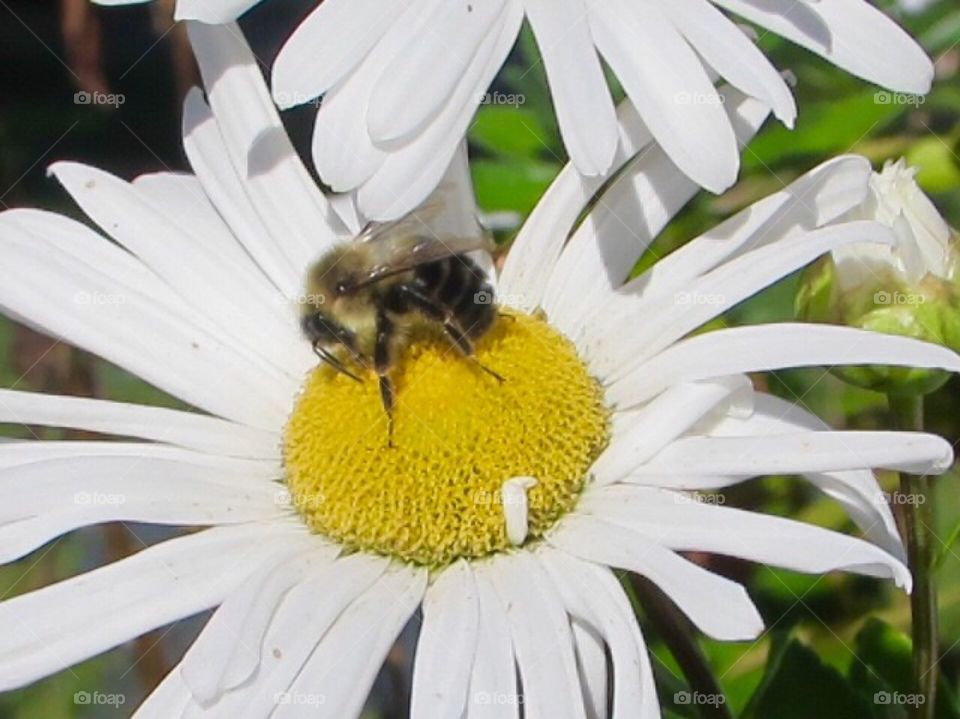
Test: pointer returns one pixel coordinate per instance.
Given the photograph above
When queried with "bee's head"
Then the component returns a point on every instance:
(335, 276)
(321, 329)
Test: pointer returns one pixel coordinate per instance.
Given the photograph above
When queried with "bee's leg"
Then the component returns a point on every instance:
(437, 313)
(382, 361)
(331, 360)
(463, 343)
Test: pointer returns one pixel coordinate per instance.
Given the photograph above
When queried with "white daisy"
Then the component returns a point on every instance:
(401, 81)
(503, 508)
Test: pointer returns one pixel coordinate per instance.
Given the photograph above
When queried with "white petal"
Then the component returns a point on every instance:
(541, 637)
(722, 44)
(51, 628)
(584, 107)
(455, 200)
(493, 681)
(818, 197)
(230, 647)
(534, 251)
(849, 33)
(663, 320)
(81, 244)
(447, 645)
(427, 69)
(199, 274)
(343, 151)
(802, 452)
(677, 521)
(345, 664)
(857, 490)
(669, 87)
(49, 497)
(513, 497)
(228, 191)
(299, 624)
(279, 187)
(170, 699)
(183, 200)
(773, 346)
(112, 202)
(184, 429)
(341, 147)
(592, 666)
(23, 452)
(328, 44)
(660, 422)
(114, 318)
(409, 174)
(212, 11)
(626, 219)
(593, 596)
(720, 607)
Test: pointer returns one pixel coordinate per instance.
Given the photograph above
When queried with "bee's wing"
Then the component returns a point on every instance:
(409, 242)
(416, 250)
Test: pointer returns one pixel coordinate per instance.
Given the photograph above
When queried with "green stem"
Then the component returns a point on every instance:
(676, 632)
(916, 508)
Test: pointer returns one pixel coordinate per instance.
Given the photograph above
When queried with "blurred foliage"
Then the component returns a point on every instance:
(835, 641)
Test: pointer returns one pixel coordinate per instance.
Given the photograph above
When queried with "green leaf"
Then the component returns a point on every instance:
(511, 184)
(798, 685)
(938, 170)
(511, 130)
(883, 667)
(826, 127)
(884, 654)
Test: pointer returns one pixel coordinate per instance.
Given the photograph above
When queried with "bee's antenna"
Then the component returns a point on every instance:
(334, 362)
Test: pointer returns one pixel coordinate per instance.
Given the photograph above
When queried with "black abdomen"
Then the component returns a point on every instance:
(459, 286)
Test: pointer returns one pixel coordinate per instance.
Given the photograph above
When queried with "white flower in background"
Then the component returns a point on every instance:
(616, 413)
(906, 288)
(401, 81)
(923, 238)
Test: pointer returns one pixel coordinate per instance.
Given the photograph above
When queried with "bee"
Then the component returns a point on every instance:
(364, 297)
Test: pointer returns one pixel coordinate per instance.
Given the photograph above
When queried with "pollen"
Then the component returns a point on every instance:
(459, 435)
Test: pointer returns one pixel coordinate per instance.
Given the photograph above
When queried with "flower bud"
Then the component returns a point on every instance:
(909, 288)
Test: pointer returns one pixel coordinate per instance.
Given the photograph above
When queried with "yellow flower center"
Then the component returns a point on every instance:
(459, 434)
